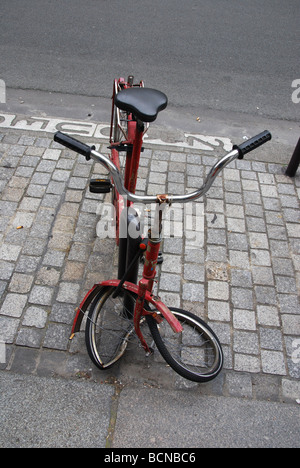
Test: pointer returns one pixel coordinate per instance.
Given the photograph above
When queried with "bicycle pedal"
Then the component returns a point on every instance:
(160, 258)
(124, 147)
(100, 185)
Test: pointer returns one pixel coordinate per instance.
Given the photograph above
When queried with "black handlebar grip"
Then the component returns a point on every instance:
(253, 143)
(73, 144)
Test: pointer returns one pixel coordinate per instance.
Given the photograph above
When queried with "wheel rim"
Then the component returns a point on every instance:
(111, 331)
(195, 350)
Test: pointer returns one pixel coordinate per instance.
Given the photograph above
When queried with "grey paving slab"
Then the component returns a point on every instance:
(155, 418)
(37, 412)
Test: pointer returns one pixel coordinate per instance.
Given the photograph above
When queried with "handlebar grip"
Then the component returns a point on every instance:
(73, 144)
(252, 143)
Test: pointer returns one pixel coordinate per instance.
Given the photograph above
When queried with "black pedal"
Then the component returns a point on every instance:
(160, 258)
(100, 185)
(127, 148)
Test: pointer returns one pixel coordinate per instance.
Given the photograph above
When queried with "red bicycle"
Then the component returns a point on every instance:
(119, 311)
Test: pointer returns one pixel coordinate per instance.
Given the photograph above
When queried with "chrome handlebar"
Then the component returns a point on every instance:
(89, 152)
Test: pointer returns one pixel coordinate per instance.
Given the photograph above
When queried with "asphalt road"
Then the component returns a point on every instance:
(219, 54)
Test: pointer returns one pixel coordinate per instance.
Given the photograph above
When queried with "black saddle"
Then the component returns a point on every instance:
(143, 103)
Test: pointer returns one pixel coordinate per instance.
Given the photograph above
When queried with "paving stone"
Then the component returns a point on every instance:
(239, 385)
(6, 270)
(8, 329)
(35, 317)
(170, 282)
(291, 390)
(244, 319)
(41, 295)
(32, 338)
(268, 315)
(262, 275)
(68, 292)
(57, 336)
(260, 257)
(47, 276)
(218, 310)
(267, 387)
(193, 292)
(21, 283)
(239, 259)
(52, 154)
(289, 304)
(271, 339)
(13, 305)
(62, 313)
(242, 298)
(265, 295)
(273, 362)
(218, 290)
(291, 324)
(242, 278)
(54, 258)
(246, 363)
(245, 342)
(9, 252)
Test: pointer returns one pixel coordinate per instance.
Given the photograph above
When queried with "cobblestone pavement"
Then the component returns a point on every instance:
(237, 264)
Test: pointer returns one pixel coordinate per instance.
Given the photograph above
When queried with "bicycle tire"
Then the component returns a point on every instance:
(109, 327)
(185, 352)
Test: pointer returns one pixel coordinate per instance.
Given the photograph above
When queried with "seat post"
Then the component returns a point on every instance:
(135, 157)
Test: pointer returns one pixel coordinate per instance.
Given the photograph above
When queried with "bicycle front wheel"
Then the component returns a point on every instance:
(195, 353)
(109, 328)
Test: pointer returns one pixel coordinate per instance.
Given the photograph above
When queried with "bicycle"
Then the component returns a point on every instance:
(120, 309)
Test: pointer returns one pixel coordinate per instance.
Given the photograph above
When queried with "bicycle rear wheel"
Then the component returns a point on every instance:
(196, 353)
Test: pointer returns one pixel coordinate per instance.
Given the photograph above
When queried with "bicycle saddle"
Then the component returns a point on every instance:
(143, 103)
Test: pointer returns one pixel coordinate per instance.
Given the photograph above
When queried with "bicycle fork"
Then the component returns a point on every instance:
(146, 286)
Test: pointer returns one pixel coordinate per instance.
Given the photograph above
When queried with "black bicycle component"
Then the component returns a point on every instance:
(100, 185)
(129, 254)
(122, 147)
(294, 162)
(252, 143)
(144, 103)
(126, 148)
(133, 262)
(74, 145)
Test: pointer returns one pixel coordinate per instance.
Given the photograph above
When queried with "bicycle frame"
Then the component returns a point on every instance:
(132, 144)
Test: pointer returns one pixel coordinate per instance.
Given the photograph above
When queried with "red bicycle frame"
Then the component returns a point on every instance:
(132, 145)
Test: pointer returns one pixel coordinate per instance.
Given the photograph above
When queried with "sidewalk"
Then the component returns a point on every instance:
(244, 280)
